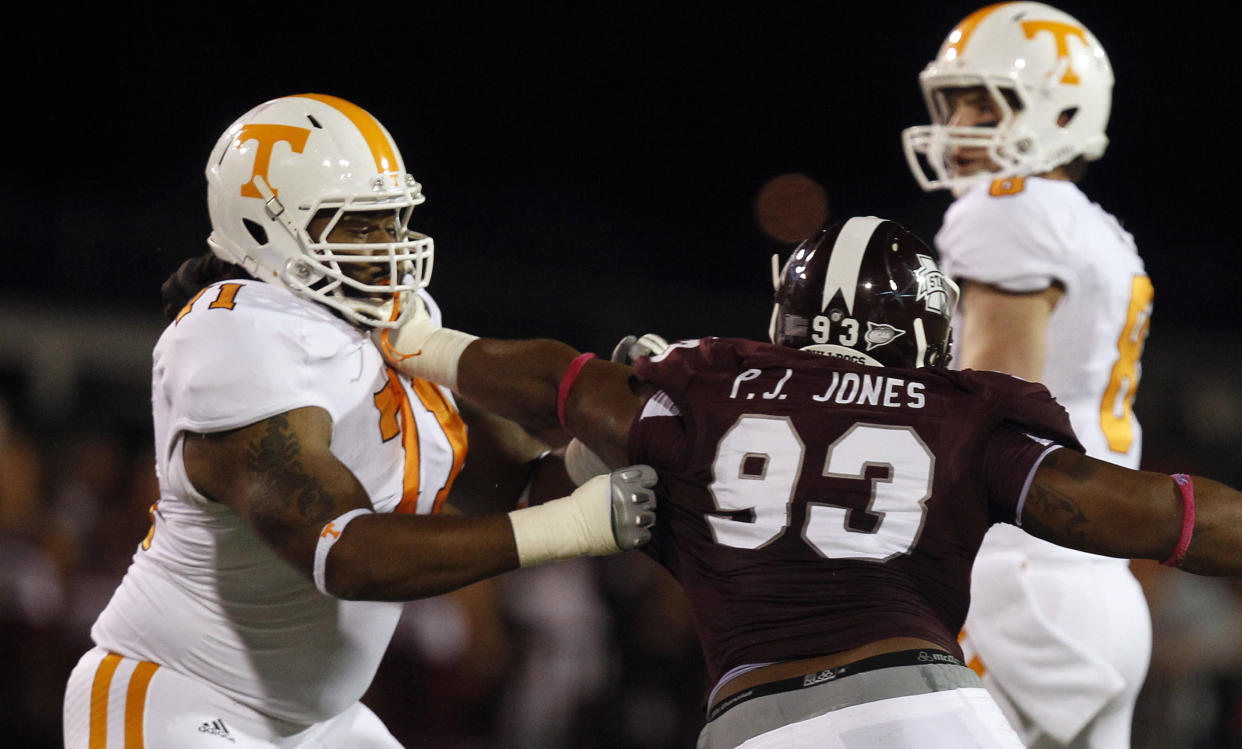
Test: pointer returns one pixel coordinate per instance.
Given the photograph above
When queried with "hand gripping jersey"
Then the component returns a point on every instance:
(205, 596)
(809, 505)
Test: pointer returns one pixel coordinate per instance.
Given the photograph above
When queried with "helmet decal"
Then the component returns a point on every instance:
(879, 334)
(846, 259)
(1060, 33)
(936, 291)
(265, 137)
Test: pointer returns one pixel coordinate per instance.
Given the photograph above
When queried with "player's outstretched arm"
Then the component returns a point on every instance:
(1090, 505)
(540, 384)
(281, 478)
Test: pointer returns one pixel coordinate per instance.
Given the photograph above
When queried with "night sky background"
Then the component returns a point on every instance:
(588, 171)
(591, 170)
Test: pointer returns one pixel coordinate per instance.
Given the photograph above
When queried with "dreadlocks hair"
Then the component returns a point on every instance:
(193, 276)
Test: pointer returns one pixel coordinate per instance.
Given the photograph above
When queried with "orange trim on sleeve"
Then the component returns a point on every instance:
(454, 428)
(136, 703)
(382, 149)
(99, 700)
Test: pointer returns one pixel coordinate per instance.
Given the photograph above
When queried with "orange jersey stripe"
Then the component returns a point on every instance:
(409, 440)
(454, 428)
(962, 33)
(434, 400)
(382, 149)
(136, 702)
(99, 700)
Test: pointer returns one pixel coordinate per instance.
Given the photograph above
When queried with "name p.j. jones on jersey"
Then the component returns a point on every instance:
(844, 388)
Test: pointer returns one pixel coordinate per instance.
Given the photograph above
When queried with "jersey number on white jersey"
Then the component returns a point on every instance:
(1116, 408)
(758, 466)
(225, 299)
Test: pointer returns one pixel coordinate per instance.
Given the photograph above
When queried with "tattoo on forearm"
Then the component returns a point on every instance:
(1053, 513)
(276, 456)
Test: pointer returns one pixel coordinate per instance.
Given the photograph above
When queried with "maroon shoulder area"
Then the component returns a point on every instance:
(1027, 405)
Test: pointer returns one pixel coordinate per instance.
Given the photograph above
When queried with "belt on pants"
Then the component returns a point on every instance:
(884, 660)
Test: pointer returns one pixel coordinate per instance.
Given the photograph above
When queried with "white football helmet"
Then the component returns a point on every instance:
(1047, 63)
(286, 161)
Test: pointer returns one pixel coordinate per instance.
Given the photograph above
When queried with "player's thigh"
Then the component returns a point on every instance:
(112, 702)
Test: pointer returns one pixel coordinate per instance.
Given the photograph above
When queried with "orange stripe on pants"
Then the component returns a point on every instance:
(99, 700)
(135, 701)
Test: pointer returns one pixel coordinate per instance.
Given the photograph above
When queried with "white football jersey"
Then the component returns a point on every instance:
(204, 595)
(1024, 234)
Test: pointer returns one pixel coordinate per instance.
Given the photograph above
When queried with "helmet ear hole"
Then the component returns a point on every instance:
(1066, 116)
(256, 232)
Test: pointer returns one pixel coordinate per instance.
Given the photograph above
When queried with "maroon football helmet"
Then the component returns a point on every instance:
(868, 290)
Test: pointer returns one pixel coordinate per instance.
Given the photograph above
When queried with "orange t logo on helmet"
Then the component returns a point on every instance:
(267, 136)
(1061, 32)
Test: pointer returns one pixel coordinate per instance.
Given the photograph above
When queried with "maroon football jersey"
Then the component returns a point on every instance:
(810, 505)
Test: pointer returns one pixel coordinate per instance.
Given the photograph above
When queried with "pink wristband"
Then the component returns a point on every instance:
(567, 382)
(1187, 488)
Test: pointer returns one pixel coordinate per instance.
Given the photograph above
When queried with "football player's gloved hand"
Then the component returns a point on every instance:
(633, 505)
(629, 348)
(610, 513)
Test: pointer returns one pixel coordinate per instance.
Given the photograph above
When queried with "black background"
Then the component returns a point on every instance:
(589, 170)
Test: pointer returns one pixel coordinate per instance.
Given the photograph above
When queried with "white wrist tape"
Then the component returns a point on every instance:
(327, 537)
(569, 527)
(421, 348)
(581, 463)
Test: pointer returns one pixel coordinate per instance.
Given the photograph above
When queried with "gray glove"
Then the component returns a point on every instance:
(633, 505)
(629, 348)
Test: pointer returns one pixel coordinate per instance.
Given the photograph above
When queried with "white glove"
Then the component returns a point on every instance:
(606, 515)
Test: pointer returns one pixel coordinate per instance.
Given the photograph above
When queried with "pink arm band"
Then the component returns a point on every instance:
(1187, 488)
(567, 382)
